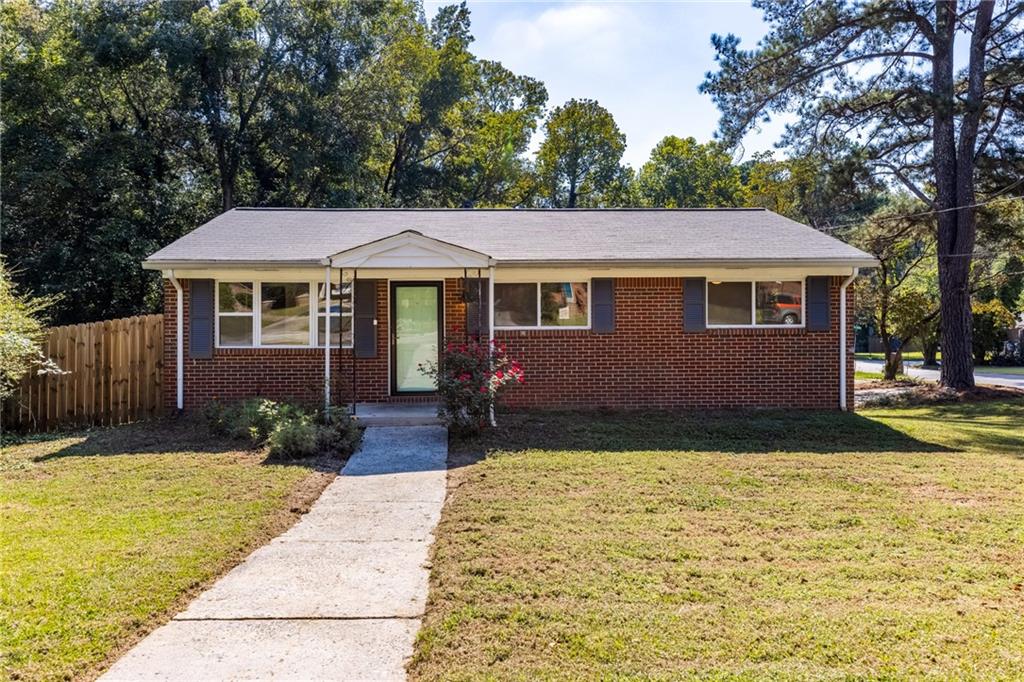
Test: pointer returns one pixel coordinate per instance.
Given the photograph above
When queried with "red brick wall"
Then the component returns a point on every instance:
(647, 362)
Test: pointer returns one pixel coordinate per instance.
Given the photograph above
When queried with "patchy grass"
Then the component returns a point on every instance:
(733, 546)
(859, 375)
(909, 355)
(997, 369)
(106, 533)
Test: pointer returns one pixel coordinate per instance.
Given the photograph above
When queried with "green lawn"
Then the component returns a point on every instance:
(878, 376)
(909, 355)
(990, 369)
(105, 534)
(881, 545)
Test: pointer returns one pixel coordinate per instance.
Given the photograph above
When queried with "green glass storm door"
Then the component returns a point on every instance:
(415, 319)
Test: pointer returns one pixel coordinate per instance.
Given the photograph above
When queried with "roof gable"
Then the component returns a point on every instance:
(409, 249)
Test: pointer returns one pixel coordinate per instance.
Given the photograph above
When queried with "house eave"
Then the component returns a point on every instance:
(151, 264)
(547, 263)
(692, 263)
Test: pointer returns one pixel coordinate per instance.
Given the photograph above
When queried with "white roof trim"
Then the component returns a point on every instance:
(410, 249)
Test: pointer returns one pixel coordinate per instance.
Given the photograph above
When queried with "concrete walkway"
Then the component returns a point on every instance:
(339, 596)
(983, 376)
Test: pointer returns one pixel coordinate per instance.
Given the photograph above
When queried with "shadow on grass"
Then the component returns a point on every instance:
(168, 435)
(730, 432)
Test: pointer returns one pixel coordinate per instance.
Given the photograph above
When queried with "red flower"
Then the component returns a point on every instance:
(520, 378)
(483, 389)
(499, 374)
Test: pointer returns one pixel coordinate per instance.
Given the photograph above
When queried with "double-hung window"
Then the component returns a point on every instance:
(769, 303)
(235, 306)
(340, 314)
(537, 305)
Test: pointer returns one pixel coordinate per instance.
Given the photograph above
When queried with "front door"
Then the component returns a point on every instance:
(415, 334)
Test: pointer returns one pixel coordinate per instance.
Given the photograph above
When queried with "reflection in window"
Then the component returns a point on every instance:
(235, 297)
(729, 303)
(515, 305)
(341, 314)
(236, 330)
(284, 314)
(779, 302)
(338, 324)
(563, 304)
(234, 313)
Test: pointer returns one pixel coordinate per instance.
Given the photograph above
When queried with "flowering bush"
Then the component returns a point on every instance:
(470, 379)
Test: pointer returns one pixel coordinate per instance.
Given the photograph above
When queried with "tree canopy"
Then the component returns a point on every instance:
(579, 158)
(682, 173)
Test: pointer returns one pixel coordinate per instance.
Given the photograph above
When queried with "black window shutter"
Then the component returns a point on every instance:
(694, 318)
(477, 303)
(364, 339)
(200, 318)
(817, 304)
(603, 300)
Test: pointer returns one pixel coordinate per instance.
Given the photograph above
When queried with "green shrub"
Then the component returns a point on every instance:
(338, 435)
(290, 431)
(294, 438)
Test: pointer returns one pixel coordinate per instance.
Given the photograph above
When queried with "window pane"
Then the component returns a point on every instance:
(563, 304)
(515, 305)
(346, 299)
(728, 302)
(235, 297)
(235, 330)
(344, 323)
(779, 302)
(285, 314)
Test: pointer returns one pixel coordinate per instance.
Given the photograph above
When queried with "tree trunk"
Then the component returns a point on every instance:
(227, 193)
(893, 363)
(955, 227)
(929, 351)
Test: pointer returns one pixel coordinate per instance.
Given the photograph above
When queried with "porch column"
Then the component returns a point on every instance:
(490, 327)
(179, 374)
(327, 334)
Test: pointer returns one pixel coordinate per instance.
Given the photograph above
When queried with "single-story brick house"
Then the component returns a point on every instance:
(627, 308)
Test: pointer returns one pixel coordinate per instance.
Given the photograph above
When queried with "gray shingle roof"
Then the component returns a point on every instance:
(245, 235)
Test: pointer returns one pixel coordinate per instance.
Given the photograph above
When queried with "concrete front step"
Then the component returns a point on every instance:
(397, 414)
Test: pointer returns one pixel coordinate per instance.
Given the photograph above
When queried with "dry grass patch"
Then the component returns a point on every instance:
(108, 533)
(753, 546)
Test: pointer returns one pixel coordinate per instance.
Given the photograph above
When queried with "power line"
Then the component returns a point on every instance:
(995, 199)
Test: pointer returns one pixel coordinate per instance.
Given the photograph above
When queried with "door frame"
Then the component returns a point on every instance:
(393, 330)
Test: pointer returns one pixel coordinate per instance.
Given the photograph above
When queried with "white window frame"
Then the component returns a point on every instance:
(590, 304)
(753, 305)
(218, 314)
(257, 313)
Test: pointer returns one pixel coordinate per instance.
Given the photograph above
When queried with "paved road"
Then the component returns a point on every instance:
(339, 596)
(982, 378)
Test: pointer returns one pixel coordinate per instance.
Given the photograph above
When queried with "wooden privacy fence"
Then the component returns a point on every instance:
(113, 374)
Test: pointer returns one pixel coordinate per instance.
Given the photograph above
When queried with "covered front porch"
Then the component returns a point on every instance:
(430, 290)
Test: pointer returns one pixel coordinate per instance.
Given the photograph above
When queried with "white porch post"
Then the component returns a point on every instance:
(842, 339)
(327, 335)
(490, 327)
(179, 375)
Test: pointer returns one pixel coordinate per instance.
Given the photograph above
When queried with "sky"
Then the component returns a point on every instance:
(643, 61)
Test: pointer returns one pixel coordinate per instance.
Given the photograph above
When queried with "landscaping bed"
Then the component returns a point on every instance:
(107, 533)
(781, 545)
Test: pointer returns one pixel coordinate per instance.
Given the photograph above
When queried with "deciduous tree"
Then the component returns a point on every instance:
(579, 158)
